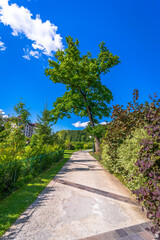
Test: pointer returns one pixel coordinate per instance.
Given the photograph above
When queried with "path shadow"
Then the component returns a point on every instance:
(63, 171)
(98, 191)
(82, 160)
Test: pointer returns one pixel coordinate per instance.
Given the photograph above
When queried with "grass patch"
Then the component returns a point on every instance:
(15, 204)
(96, 156)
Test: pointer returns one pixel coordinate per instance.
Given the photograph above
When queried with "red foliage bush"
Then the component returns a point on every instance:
(124, 122)
(149, 166)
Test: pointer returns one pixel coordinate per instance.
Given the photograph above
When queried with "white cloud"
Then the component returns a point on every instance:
(84, 124)
(103, 123)
(28, 53)
(2, 46)
(26, 57)
(42, 34)
(35, 54)
(2, 113)
(80, 124)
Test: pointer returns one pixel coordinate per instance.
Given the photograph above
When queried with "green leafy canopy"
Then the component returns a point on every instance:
(22, 111)
(85, 95)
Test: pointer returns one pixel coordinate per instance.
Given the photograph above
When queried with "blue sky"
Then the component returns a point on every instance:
(130, 29)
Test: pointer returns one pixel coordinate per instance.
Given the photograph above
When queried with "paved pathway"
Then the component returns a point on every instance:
(83, 202)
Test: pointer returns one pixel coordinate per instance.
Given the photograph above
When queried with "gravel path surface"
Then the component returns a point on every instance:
(83, 200)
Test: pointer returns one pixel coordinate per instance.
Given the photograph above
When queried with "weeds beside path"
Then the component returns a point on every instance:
(12, 206)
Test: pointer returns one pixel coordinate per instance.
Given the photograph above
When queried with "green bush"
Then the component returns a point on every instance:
(9, 173)
(88, 145)
(14, 174)
(130, 149)
(106, 158)
(39, 149)
(126, 157)
(69, 145)
(79, 145)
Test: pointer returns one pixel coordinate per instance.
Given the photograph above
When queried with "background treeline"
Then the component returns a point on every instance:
(74, 139)
(131, 150)
(74, 135)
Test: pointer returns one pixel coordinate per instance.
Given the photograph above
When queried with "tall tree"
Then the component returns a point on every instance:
(22, 112)
(43, 127)
(85, 95)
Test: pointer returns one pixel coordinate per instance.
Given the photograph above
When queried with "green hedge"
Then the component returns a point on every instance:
(15, 173)
(126, 157)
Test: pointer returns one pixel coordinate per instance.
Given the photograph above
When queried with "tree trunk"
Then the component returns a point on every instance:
(97, 141)
(97, 144)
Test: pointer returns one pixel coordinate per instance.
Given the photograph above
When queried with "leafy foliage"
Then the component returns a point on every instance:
(85, 95)
(15, 173)
(19, 160)
(124, 122)
(72, 136)
(88, 145)
(22, 112)
(69, 145)
(43, 130)
(149, 165)
(13, 140)
(98, 130)
(127, 157)
(131, 148)
(13, 144)
(78, 145)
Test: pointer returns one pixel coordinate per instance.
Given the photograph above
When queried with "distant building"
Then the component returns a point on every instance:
(29, 129)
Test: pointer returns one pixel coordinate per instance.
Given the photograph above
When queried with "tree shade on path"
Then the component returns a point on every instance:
(84, 200)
